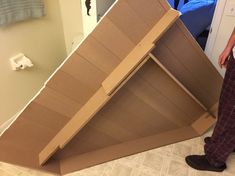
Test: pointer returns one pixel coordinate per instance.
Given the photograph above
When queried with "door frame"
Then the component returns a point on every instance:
(220, 7)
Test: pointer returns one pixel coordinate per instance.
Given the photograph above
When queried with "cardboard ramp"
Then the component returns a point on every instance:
(137, 82)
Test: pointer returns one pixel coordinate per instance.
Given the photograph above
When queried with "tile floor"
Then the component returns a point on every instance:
(164, 161)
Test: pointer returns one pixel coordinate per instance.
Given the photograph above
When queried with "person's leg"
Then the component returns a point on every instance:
(224, 99)
(218, 152)
(222, 142)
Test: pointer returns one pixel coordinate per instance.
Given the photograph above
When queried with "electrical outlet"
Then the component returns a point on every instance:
(230, 9)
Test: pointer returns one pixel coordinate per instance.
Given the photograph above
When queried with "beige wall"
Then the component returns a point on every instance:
(43, 41)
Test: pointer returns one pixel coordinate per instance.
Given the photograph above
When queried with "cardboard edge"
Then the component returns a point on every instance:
(213, 110)
(93, 158)
(42, 170)
(204, 123)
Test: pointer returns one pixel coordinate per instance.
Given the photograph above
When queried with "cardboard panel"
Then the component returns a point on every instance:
(95, 53)
(176, 80)
(114, 40)
(153, 97)
(190, 59)
(148, 115)
(57, 102)
(162, 91)
(172, 90)
(182, 74)
(124, 25)
(32, 132)
(113, 121)
(152, 12)
(132, 147)
(21, 143)
(84, 142)
(84, 71)
(143, 122)
(69, 86)
(20, 157)
(184, 64)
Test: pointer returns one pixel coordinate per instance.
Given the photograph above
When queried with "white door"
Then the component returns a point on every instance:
(215, 26)
(89, 20)
(221, 29)
(98, 9)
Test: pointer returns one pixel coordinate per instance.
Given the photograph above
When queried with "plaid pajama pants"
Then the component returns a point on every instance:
(222, 141)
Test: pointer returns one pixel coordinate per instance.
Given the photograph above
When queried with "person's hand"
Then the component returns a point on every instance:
(223, 58)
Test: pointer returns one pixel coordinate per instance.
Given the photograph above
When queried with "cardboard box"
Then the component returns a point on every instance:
(137, 82)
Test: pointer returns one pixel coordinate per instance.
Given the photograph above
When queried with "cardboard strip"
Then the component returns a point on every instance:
(139, 52)
(203, 123)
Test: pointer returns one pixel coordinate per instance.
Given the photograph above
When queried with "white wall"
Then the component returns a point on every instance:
(226, 27)
(40, 39)
(89, 22)
(72, 22)
(76, 23)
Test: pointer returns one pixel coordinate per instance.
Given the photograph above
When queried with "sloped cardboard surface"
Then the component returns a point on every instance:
(170, 96)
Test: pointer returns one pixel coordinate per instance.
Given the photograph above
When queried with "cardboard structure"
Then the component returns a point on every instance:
(137, 82)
